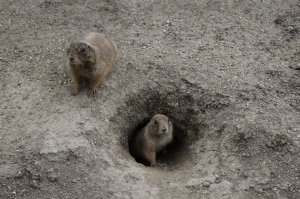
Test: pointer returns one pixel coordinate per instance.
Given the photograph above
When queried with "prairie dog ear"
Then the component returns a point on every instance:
(83, 49)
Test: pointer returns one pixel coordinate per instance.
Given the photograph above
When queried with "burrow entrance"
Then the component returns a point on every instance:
(188, 107)
(172, 151)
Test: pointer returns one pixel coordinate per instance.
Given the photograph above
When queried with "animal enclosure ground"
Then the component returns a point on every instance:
(226, 71)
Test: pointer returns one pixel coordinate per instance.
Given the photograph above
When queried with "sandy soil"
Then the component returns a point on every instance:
(226, 72)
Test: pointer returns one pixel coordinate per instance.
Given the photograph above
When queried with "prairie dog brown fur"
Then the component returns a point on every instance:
(151, 139)
(91, 58)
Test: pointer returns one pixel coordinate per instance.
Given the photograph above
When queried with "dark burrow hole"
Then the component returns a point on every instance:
(172, 153)
(189, 110)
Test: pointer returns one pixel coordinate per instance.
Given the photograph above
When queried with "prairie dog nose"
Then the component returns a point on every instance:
(71, 58)
(164, 129)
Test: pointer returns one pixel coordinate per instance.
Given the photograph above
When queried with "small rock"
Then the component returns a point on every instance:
(34, 184)
(260, 190)
(169, 22)
(206, 184)
(51, 170)
(19, 174)
(292, 28)
(52, 175)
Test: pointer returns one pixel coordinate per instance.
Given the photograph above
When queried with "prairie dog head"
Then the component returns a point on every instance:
(160, 125)
(78, 53)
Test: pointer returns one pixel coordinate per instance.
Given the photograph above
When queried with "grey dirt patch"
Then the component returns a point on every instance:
(225, 72)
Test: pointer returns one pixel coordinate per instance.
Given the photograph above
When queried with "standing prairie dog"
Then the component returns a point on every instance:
(91, 58)
(151, 139)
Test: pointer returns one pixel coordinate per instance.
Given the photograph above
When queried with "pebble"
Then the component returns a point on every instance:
(52, 175)
(291, 28)
(206, 184)
(260, 191)
(34, 184)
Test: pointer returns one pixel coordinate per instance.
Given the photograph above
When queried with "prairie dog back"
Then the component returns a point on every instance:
(107, 48)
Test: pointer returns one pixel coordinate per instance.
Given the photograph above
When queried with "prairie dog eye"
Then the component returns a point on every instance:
(83, 50)
(155, 122)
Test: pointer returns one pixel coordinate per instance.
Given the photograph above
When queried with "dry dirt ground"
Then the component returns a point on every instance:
(226, 72)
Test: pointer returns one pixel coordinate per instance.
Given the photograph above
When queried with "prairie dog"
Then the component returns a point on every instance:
(151, 139)
(91, 58)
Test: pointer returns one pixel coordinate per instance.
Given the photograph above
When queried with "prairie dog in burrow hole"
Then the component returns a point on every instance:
(151, 139)
(91, 58)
